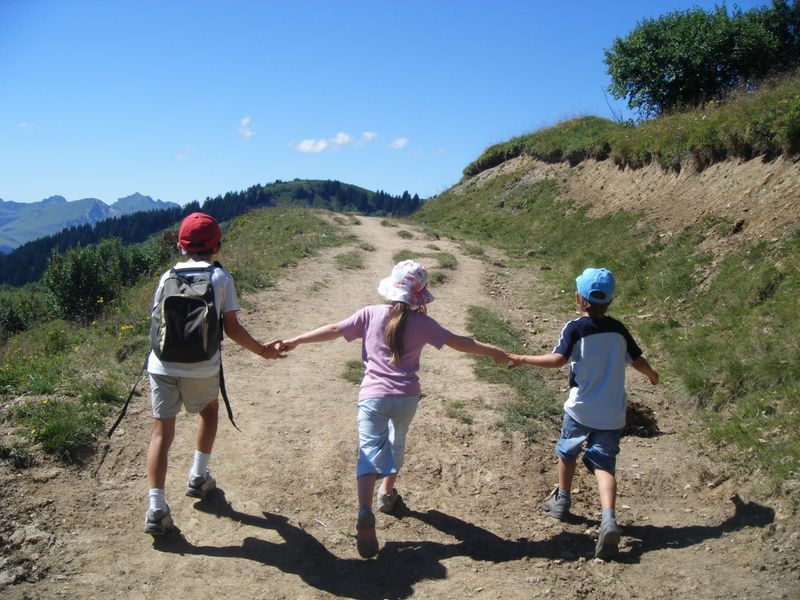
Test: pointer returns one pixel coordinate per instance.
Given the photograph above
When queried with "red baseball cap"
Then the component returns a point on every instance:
(199, 232)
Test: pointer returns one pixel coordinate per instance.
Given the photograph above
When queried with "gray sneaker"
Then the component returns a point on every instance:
(366, 538)
(386, 502)
(199, 487)
(158, 522)
(556, 507)
(608, 540)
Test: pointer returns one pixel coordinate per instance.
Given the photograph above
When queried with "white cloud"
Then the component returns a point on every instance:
(440, 151)
(340, 140)
(312, 145)
(25, 126)
(368, 136)
(245, 131)
(399, 144)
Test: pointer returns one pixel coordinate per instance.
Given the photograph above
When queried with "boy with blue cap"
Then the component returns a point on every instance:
(597, 348)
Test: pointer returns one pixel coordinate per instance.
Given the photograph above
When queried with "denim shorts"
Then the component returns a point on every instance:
(602, 446)
(168, 394)
(382, 428)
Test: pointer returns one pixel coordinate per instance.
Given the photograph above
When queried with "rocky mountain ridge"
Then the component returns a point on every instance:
(22, 222)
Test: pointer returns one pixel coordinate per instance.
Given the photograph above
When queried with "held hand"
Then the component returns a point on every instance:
(273, 350)
(516, 361)
(499, 356)
(288, 345)
(653, 377)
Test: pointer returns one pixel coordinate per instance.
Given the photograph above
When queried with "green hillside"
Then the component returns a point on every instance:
(722, 324)
(763, 124)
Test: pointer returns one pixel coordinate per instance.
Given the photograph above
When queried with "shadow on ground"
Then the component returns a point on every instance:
(401, 565)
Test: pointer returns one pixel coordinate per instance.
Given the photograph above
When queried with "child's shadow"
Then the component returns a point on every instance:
(394, 572)
(650, 537)
(400, 565)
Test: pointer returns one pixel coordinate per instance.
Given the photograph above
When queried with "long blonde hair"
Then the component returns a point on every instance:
(395, 328)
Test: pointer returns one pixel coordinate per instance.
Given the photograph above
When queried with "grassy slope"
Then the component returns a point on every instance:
(767, 123)
(731, 342)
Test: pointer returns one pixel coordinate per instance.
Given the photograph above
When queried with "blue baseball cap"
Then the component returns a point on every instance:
(596, 285)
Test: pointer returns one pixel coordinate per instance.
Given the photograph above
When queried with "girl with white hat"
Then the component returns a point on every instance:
(393, 336)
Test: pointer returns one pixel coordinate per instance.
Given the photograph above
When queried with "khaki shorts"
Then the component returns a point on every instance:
(167, 394)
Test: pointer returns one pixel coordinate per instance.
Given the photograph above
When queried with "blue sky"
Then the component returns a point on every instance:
(184, 100)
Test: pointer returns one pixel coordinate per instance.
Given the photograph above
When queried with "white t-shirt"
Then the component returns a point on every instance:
(227, 301)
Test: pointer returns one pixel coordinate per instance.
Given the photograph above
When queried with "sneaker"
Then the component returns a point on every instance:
(199, 487)
(366, 538)
(556, 507)
(158, 522)
(387, 502)
(608, 540)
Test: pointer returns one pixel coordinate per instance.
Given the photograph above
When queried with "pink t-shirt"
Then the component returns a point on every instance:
(382, 379)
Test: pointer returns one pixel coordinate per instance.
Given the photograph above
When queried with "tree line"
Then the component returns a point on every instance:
(29, 261)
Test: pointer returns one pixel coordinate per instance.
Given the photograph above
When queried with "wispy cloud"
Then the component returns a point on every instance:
(185, 153)
(340, 140)
(368, 136)
(245, 131)
(26, 126)
(399, 144)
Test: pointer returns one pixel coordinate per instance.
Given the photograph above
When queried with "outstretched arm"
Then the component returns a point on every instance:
(641, 365)
(326, 333)
(237, 332)
(547, 361)
(467, 344)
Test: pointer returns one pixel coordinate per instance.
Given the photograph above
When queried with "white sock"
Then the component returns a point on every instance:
(200, 465)
(158, 499)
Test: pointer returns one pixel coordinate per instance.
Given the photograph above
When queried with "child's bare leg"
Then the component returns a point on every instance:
(387, 485)
(366, 489)
(566, 473)
(161, 437)
(207, 421)
(607, 486)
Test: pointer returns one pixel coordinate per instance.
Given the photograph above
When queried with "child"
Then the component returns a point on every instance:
(597, 348)
(393, 335)
(192, 384)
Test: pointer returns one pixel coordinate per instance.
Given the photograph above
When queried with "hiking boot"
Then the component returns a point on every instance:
(608, 540)
(387, 502)
(366, 538)
(198, 487)
(555, 506)
(158, 522)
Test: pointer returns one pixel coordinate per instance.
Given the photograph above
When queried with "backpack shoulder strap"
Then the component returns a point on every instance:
(225, 396)
(128, 400)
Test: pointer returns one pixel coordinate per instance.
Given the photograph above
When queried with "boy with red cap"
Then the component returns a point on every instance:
(597, 348)
(193, 385)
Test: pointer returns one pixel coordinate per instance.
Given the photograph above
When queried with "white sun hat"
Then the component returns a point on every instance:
(408, 283)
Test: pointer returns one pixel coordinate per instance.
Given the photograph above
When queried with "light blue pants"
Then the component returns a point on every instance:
(382, 428)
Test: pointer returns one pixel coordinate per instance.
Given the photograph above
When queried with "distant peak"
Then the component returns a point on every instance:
(55, 200)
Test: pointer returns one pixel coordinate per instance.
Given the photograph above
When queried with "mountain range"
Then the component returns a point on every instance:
(22, 222)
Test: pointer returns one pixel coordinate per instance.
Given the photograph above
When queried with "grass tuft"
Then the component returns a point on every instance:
(353, 371)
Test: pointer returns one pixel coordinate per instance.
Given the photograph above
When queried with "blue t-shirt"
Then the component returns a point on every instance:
(597, 351)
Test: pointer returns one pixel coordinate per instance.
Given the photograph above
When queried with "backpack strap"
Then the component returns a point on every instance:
(225, 395)
(133, 389)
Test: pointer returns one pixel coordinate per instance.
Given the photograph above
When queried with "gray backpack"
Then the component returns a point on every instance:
(185, 325)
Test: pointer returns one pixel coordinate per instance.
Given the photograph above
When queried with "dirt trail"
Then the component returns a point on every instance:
(282, 525)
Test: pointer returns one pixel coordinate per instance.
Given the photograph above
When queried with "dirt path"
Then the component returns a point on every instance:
(282, 525)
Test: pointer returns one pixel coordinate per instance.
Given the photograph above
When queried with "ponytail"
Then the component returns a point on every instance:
(393, 334)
